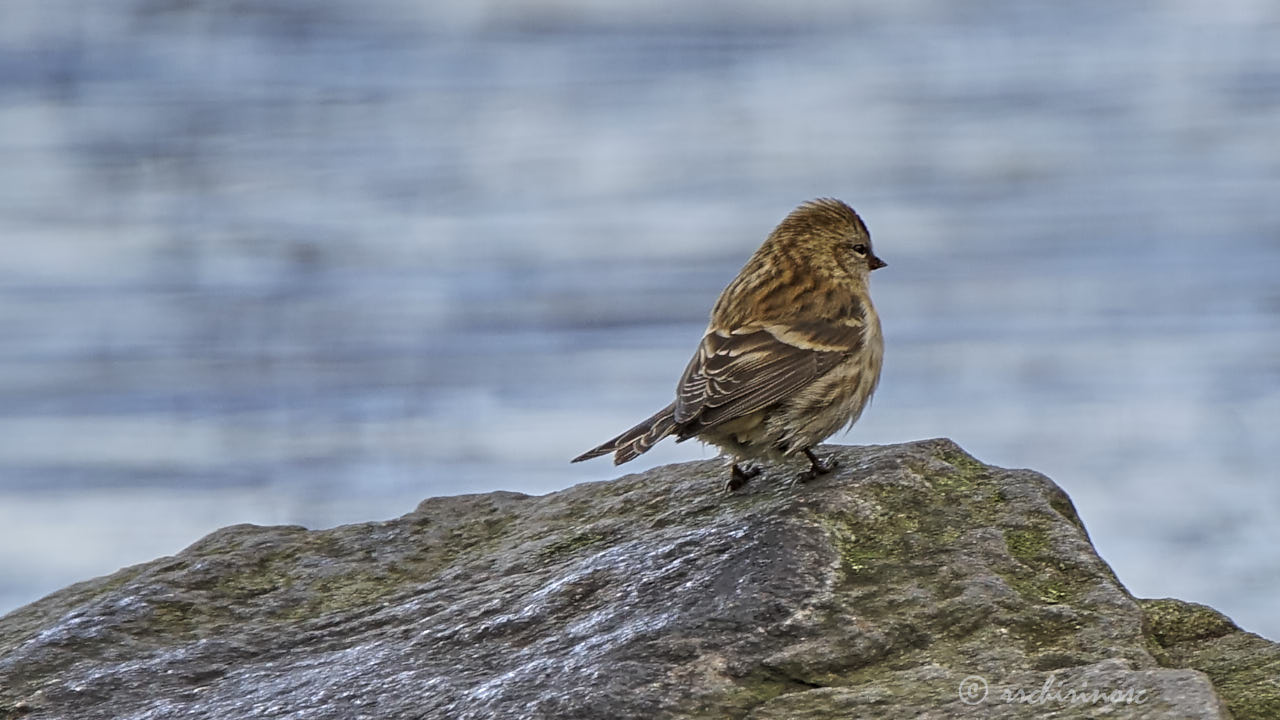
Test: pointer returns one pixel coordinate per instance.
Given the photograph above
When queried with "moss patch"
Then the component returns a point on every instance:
(1244, 668)
(569, 544)
(1174, 621)
(1027, 544)
(754, 690)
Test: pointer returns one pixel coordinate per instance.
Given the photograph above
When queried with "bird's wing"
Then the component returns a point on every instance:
(735, 373)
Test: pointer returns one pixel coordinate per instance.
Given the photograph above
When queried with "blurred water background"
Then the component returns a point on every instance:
(290, 261)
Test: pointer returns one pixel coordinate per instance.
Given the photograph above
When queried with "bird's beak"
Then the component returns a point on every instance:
(875, 263)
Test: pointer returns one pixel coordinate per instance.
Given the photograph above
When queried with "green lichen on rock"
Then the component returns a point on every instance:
(1027, 544)
(1244, 668)
(1171, 622)
(567, 545)
(873, 591)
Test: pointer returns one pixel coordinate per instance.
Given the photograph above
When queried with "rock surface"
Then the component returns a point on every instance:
(913, 582)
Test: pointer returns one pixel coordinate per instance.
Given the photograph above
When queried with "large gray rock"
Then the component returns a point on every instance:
(913, 582)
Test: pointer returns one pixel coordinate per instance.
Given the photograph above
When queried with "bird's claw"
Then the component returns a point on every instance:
(738, 477)
(817, 466)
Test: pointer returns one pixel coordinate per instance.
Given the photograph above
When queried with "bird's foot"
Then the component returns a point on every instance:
(817, 466)
(739, 477)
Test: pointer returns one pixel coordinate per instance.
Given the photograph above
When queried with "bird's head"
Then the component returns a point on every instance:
(827, 228)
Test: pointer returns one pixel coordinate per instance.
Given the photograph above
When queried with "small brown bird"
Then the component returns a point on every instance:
(792, 353)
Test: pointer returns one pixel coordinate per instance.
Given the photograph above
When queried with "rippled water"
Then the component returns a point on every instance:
(310, 262)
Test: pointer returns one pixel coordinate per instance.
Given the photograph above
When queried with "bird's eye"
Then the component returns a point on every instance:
(860, 249)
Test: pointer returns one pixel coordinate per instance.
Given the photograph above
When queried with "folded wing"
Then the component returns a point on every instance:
(736, 373)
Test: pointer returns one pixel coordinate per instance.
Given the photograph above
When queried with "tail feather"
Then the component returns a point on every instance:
(638, 439)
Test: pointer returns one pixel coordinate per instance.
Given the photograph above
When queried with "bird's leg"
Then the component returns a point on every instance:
(739, 477)
(820, 466)
(817, 466)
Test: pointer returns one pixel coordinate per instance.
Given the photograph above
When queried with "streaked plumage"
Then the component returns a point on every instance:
(792, 353)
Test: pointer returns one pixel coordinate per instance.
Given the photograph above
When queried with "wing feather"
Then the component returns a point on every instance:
(737, 373)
